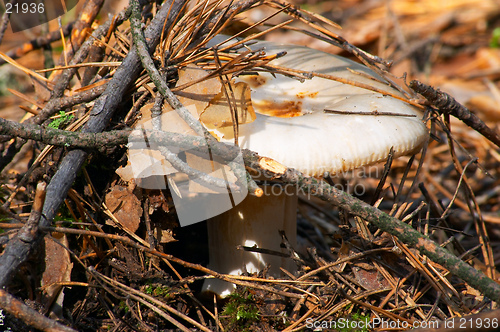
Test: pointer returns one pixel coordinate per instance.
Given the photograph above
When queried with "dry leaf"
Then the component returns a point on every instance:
(58, 268)
(164, 235)
(370, 279)
(125, 206)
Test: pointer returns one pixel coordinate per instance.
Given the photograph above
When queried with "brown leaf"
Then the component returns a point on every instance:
(164, 235)
(125, 206)
(58, 268)
(371, 279)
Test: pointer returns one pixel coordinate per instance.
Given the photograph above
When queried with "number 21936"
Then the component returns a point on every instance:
(479, 323)
(24, 8)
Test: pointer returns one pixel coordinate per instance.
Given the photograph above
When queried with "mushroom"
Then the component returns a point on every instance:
(315, 126)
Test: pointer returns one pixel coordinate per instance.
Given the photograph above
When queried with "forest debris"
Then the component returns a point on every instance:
(58, 267)
(125, 206)
(487, 105)
(460, 34)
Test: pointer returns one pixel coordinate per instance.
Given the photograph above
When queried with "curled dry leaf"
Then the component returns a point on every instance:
(125, 206)
(370, 279)
(58, 268)
(164, 235)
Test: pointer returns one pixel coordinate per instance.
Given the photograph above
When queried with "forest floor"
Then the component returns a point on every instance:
(114, 257)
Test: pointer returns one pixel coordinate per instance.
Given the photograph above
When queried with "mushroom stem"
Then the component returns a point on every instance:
(255, 222)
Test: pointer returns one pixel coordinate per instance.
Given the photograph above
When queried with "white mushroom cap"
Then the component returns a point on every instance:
(313, 141)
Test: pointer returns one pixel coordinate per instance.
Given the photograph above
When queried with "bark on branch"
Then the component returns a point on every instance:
(19, 248)
(102, 112)
(356, 207)
(448, 105)
(28, 315)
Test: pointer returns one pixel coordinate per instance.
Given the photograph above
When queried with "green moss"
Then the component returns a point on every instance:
(61, 121)
(64, 217)
(241, 311)
(148, 289)
(162, 291)
(123, 305)
(358, 322)
(159, 291)
(495, 38)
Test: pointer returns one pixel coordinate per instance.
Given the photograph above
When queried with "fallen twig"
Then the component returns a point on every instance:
(446, 104)
(102, 112)
(30, 316)
(54, 104)
(391, 225)
(19, 248)
(183, 112)
(38, 43)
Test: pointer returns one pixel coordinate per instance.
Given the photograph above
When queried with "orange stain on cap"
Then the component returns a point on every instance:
(303, 95)
(281, 109)
(255, 81)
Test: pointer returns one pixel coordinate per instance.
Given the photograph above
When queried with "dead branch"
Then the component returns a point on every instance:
(446, 104)
(102, 112)
(30, 316)
(19, 248)
(55, 103)
(104, 140)
(103, 109)
(5, 22)
(80, 29)
(183, 112)
(38, 43)
(391, 225)
(147, 62)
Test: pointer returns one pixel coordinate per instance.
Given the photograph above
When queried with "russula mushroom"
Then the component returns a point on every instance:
(315, 126)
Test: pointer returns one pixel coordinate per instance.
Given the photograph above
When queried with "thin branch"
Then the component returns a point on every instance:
(38, 43)
(28, 315)
(78, 34)
(5, 22)
(54, 103)
(161, 85)
(103, 141)
(391, 225)
(446, 104)
(16, 251)
(183, 112)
